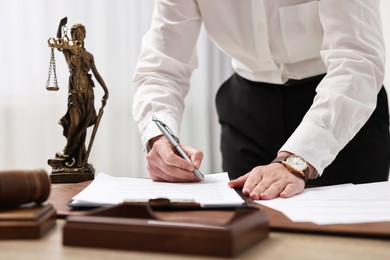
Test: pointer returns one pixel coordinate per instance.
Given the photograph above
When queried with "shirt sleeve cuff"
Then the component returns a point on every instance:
(149, 129)
(313, 143)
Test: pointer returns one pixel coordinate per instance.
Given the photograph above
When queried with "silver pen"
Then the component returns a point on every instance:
(175, 143)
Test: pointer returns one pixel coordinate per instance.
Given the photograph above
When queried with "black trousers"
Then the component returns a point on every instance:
(257, 118)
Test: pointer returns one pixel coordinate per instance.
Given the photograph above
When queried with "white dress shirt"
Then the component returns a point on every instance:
(270, 41)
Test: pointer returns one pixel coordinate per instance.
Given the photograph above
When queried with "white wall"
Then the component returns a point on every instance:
(29, 133)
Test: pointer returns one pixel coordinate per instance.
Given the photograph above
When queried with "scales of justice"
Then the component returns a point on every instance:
(71, 164)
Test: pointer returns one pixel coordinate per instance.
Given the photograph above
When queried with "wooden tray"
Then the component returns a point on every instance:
(137, 227)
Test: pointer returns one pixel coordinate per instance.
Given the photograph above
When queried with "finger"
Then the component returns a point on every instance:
(168, 155)
(163, 174)
(155, 173)
(195, 155)
(283, 187)
(161, 170)
(272, 191)
(180, 169)
(292, 189)
(239, 182)
(255, 178)
(269, 175)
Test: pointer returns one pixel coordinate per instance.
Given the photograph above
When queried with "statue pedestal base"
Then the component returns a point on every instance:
(71, 177)
(63, 174)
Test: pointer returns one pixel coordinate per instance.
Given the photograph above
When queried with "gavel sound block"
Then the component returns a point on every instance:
(23, 211)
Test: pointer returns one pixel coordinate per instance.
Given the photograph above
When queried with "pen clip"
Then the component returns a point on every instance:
(166, 128)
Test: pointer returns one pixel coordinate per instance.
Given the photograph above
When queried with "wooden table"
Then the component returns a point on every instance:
(293, 244)
(279, 245)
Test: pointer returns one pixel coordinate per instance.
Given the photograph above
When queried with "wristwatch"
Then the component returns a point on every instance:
(295, 164)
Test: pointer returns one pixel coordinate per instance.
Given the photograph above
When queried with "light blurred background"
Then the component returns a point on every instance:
(29, 114)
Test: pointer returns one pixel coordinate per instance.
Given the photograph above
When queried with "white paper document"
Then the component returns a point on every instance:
(338, 204)
(109, 190)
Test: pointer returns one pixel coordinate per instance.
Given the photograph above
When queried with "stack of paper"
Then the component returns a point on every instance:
(108, 190)
(337, 204)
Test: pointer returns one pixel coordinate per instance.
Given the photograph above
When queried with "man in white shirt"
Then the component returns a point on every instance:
(307, 88)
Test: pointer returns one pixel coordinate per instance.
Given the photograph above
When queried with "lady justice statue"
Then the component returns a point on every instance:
(71, 164)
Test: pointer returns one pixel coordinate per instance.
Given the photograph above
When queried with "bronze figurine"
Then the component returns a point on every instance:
(71, 164)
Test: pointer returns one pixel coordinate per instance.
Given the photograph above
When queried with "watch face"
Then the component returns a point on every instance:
(297, 163)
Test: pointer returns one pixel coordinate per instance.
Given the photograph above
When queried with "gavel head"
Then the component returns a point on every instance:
(21, 187)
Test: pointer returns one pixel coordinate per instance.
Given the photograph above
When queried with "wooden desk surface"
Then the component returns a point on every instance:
(279, 245)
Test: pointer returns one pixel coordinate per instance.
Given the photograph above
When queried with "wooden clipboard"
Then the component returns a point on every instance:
(279, 222)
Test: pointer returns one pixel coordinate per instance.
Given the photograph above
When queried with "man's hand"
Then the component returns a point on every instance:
(164, 164)
(269, 181)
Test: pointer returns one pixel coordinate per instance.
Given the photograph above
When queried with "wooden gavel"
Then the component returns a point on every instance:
(19, 187)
